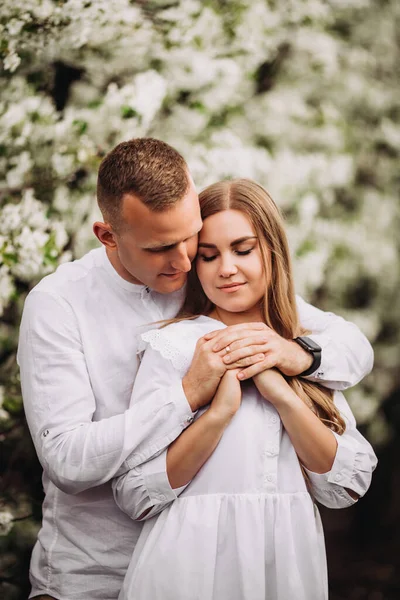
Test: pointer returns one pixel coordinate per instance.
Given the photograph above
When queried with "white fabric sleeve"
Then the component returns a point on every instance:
(146, 487)
(145, 490)
(347, 355)
(352, 468)
(76, 452)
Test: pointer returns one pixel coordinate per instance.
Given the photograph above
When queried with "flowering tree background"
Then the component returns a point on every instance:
(301, 95)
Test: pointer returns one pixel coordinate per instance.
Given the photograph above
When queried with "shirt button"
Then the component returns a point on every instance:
(189, 420)
(45, 433)
(274, 419)
(161, 497)
(269, 477)
(338, 477)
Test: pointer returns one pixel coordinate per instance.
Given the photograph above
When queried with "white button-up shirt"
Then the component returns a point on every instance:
(78, 359)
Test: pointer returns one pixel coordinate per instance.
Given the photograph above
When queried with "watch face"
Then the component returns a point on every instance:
(308, 344)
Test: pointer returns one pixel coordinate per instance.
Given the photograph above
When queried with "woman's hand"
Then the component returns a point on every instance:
(273, 386)
(204, 375)
(228, 397)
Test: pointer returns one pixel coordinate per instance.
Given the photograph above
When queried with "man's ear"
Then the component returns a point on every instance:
(105, 234)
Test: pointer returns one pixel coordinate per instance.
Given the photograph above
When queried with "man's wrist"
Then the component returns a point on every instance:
(190, 393)
(297, 360)
(314, 350)
(305, 360)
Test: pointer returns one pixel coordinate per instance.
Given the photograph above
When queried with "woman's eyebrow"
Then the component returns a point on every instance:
(234, 243)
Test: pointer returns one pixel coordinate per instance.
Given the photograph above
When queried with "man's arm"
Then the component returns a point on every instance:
(347, 355)
(148, 489)
(76, 452)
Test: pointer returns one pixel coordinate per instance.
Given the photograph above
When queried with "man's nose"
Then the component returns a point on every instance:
(181, 261)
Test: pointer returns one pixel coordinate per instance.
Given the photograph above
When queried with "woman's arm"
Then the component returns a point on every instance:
(314, 443)
(339, 467)
(151, 485)
(195, 445)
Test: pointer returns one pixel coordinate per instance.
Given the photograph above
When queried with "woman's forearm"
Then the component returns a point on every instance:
(313, 441)
(188, 453)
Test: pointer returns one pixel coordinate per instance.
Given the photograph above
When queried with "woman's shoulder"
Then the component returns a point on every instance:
(177, 341)
(180, 332)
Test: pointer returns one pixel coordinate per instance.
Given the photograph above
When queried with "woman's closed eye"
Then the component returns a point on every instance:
(243, 252)
(205, 258)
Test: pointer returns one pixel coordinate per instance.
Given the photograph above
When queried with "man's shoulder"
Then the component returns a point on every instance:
(70, 274)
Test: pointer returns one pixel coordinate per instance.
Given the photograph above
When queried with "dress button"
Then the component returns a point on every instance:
(45, 433)
(272, 451)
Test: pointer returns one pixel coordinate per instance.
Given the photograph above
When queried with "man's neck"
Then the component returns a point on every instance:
(120, 269)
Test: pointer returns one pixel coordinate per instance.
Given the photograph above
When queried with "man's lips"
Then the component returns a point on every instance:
(172, 274)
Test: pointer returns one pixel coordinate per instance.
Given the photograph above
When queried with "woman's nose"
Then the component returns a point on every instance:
(227, 266)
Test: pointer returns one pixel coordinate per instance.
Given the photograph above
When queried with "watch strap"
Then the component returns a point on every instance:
(316, 352)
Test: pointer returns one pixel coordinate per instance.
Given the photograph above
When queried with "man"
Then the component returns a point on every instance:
(78, 359)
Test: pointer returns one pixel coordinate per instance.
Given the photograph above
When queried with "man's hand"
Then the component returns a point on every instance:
(247, 341)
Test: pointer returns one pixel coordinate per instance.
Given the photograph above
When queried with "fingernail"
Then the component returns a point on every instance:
(260, 357)
(241, 375)
(227, 359)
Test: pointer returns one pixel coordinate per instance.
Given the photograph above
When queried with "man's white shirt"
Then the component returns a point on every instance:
(78, 355)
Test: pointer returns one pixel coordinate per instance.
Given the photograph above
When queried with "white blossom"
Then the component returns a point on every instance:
(12, 61)
(6, 521)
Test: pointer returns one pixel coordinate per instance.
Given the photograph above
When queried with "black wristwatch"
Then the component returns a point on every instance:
(308, 344)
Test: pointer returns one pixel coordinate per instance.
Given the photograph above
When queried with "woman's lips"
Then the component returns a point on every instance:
(231, 287)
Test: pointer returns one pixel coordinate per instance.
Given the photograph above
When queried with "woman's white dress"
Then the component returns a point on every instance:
(246, 527)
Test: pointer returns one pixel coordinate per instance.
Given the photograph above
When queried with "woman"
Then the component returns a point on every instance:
(245, 527)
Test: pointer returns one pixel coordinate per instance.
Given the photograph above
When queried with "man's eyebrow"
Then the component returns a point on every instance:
(234, 243)
(169, 244)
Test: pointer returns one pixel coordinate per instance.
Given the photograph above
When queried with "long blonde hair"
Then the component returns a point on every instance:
(279, 304)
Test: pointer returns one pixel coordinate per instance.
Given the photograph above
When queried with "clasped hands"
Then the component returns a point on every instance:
(237, 353)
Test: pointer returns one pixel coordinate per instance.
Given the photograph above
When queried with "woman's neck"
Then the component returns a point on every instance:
(252, 315)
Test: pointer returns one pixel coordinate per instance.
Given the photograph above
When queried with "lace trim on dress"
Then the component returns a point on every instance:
(160, 340)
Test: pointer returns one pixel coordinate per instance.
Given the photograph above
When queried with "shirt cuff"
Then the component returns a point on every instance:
(156, 480)
(326, 371)
(183, 416)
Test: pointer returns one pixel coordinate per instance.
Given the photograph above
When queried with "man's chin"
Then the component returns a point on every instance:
(167, 285)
